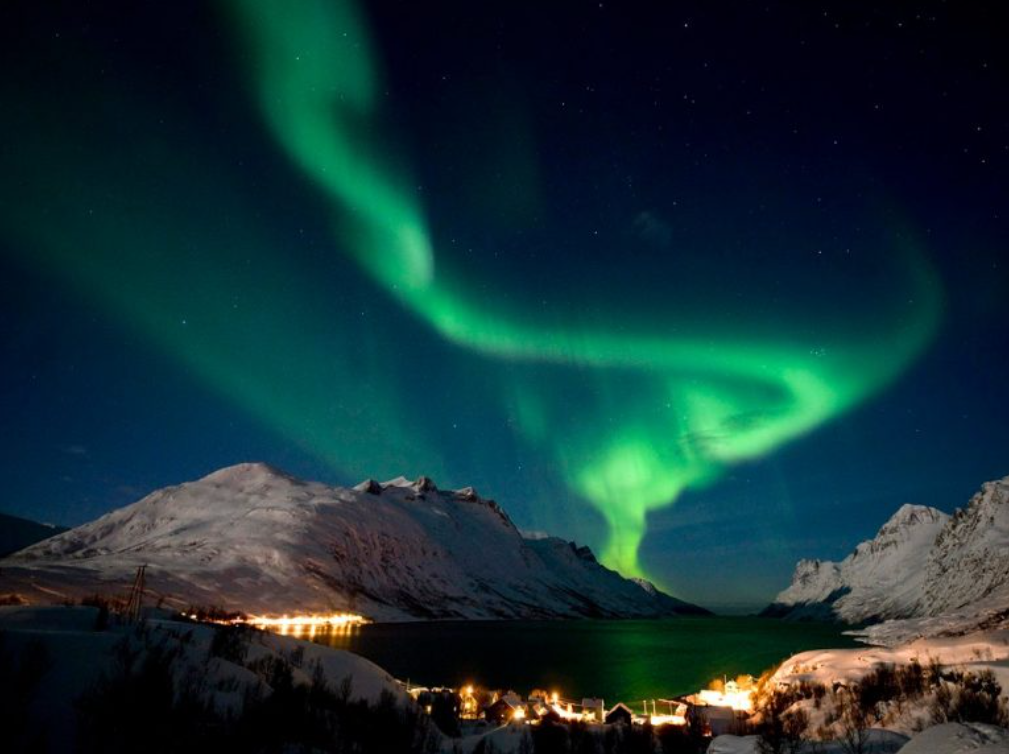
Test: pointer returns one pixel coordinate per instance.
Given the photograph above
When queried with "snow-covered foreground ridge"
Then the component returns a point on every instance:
(253, 539)
(899, 720)
(923, 564)
(72, 657)
(972, 652)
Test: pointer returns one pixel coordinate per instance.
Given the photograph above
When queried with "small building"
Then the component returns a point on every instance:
(669, 712)
(512, 698)
(620, 715)
(594, 709)
(469, 705)
(722, 720)
(715, 719)
(504, 710)
(424, 698)
(539, 708)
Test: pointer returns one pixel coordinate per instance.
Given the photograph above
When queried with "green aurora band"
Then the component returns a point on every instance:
(149, 225)
(733, 398)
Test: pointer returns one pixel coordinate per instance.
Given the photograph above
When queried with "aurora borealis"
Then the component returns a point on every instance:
(317, 87)
(364, 241)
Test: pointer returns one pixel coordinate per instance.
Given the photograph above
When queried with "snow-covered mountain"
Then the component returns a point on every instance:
(922, 563)
(970, 561)
(254, 539)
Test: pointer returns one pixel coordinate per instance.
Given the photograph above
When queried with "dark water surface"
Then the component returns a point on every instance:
(617, 660)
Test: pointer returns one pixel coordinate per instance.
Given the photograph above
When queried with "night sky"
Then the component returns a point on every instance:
(709, 286)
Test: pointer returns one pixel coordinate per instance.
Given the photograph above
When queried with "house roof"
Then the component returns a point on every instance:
(619, 706)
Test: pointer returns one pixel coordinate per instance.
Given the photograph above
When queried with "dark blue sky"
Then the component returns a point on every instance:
(173, 297)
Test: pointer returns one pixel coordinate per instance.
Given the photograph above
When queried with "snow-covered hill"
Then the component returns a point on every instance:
(923, 563)
(78, 658)
(899, 714)
(254, 539)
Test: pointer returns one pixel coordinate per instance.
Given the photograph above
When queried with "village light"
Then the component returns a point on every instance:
(333, 620)
(291, 623)
(741, 700)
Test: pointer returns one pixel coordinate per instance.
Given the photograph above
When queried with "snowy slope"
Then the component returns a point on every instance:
(883, 578)
(943, 574)
(904, 723)
(78, 656)
(970, 561)
(254, 539)
(974, 653)
(877, 742)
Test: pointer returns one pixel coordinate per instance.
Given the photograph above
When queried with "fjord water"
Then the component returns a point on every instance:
(613, 659)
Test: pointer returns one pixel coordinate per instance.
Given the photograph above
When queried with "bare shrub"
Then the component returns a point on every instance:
(781, 729)
(853, 722)
(974, 698)
(231, 643)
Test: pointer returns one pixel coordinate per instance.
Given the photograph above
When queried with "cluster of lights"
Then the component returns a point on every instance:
(293, 624)
(566, 713)
(740, 701)
(738, 697)
(334, 620)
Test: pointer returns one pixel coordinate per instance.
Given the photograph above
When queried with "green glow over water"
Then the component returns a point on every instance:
(619, 660)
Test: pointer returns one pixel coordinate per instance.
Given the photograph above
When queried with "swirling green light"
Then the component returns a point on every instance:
(155, 225)
(728, 397)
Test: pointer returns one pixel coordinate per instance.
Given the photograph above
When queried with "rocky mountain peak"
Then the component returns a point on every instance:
(970, 560)
(909, 515)
(369, 486)
(246, 474)
(424, 484)
(901, 527)
(809, 570)
(922, 562)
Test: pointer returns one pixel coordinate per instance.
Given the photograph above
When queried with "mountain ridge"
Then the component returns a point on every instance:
(921, 564)
(253, 538)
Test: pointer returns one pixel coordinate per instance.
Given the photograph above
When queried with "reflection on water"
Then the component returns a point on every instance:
(313, 631)
(310, 626)
(626, 660)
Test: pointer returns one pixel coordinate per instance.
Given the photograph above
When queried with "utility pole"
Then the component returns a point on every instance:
(136, 595)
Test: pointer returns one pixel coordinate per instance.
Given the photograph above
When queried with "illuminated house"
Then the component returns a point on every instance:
(722, 712)
(504, 710)
(671, 712)
(469, 706)
(594, 710)
(620, 715)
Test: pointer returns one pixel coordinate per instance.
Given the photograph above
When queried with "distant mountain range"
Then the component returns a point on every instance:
(17, 533)
(254, 539)
(922, 564)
